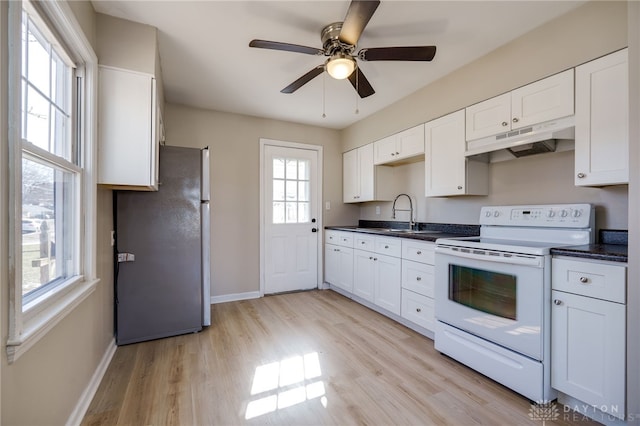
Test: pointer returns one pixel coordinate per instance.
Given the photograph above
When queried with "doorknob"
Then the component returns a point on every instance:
(314, 230)
(313, 220)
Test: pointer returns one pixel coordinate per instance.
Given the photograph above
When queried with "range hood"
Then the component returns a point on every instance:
(528, 140)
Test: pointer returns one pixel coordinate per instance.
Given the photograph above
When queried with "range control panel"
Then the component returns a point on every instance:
(546, 216)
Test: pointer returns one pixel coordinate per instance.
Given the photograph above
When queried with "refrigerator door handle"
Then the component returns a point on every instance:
(205, 213)
(205, 189)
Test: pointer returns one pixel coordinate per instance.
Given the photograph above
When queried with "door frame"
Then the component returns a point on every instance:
(296, 145)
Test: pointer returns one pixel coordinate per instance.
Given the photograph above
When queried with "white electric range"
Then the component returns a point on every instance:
(493, 292)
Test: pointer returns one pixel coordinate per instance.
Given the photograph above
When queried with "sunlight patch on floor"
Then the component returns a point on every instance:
(286, 383)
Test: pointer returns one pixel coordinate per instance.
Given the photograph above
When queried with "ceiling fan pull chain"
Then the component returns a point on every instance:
(324, 94)
(357, 90)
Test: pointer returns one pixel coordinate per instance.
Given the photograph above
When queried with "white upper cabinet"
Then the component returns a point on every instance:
(602, 121)
(362, 181)
(400, 146)
(129, 126)
(541, 101)
(447, 170)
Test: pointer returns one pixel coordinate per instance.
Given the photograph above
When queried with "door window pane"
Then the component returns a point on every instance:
(291, 184)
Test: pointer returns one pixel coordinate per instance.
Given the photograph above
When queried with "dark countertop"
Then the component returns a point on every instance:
(612, 247)
(427, 231)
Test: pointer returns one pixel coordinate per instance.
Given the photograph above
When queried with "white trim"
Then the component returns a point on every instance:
(319, 176)
(37, 327)
(23, 331)
(83, 403)
(235, 297)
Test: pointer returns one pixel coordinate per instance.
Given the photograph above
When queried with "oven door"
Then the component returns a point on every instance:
(494, 295)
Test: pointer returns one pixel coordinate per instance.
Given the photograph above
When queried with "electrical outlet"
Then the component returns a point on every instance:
(113, 238)
(378, 210)
(327, 205)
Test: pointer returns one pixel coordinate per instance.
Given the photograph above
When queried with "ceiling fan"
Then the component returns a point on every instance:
(339, 41)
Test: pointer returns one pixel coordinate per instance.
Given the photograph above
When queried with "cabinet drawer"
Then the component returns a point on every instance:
(365, 242)
(594, 279)
(388, 246)
(418, 309)
(340, 238)
(418, 277)
(418, 251)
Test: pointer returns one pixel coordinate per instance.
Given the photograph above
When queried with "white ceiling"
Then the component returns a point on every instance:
(207, 63)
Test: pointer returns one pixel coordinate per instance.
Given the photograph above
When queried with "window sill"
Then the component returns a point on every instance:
(39, 325)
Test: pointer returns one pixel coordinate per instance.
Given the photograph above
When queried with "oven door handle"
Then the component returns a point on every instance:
(499, 257)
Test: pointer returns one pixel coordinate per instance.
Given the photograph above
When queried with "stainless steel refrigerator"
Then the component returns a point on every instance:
(162, 251)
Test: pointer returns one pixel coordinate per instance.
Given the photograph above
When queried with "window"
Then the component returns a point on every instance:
(51, 149)
(290, 190)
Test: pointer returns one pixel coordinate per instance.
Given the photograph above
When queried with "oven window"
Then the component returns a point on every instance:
(486, 291)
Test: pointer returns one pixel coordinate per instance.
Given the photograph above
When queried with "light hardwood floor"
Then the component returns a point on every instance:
(301, 359)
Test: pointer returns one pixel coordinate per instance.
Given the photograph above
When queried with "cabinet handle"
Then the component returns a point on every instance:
(581, 175)
(392, 154)
(584, 280)
(505, 124)
(397, 153)
(557, 302)
(361, 242)
(418, 252)
(515, 119)
(459, 186)
(375, 258)
(418, 278)
(418, 310)
(386, 247)
(336, 249)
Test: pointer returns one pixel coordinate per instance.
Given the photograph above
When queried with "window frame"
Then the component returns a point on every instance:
(29, 323)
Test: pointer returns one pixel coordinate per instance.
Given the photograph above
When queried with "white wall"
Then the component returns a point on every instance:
(233, 142)
(589, 31)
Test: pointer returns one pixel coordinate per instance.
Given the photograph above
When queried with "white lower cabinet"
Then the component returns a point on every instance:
(338, 259)
(588, 337)
(395, 274)
(377, 279)
(418, 283)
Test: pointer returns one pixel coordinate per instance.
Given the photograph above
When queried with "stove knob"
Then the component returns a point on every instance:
(564, 213)
(577, 213)
(496, 213)
(551, 213)
(488, 213)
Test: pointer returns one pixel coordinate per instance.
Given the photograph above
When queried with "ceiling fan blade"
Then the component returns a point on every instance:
(358, 16)
(287, 47)
(405, 53)
(361, 84)
(304, 79)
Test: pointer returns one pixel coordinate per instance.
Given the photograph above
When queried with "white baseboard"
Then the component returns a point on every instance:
(235, 297)
(87, 396)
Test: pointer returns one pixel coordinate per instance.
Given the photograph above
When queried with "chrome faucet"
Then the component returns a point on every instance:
(394, 210)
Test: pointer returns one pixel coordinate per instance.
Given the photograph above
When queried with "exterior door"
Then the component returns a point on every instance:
(291, 219)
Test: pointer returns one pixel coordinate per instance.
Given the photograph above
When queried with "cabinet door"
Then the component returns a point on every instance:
(350, 177)
(367, 173)
(385, 150)
(363, 274)
(388, 288)
(543, 100)
(418, 309)
(588, 350)
(127, 151)
(410, 142)
(344, 276)
(444, 156)
(489, 117)
(602, 121)
(331, 263)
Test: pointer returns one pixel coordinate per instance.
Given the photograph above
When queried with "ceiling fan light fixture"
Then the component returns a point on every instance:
(340, 66)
